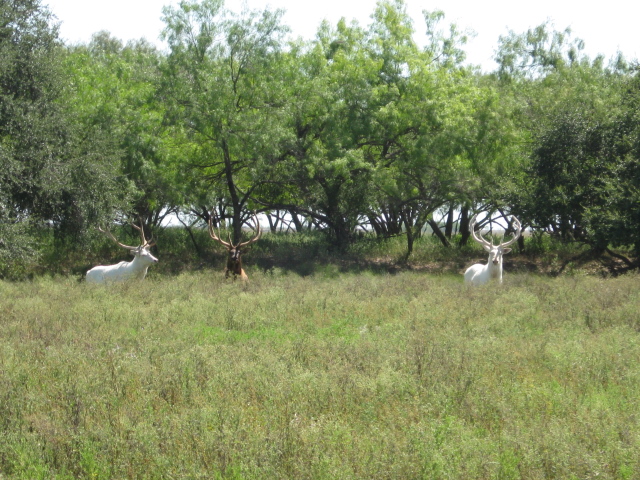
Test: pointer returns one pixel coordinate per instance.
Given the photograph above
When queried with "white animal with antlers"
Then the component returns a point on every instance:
(479, 274)
(135, 269)
(234, 260)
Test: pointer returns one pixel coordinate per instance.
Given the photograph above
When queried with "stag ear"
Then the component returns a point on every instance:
(506, 250)
(486, 247)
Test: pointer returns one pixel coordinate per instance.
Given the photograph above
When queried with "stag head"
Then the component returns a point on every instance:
(142, 250)
(234, 260)
(495, 251)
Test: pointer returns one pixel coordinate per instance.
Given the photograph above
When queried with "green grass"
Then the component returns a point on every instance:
(321, 376)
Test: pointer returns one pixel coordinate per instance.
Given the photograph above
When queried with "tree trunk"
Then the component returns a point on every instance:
(448, 228)
(233, 194)
(296, 221)
(190, 232)
(409, 230)
(464, 225)
(375, 224)
(272, 224)
(438, 233)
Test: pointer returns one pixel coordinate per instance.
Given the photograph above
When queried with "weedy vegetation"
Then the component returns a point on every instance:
(325, 375)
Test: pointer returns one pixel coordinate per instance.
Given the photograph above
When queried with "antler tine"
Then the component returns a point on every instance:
(517, 234)
(149, 243)
(256, 227)
(112, 237)
(480, 239)
(213, 235)
(145, 242)
(140, 228)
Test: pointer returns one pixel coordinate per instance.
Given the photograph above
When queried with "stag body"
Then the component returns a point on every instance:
(234, 260)
(479, 274)
(135, 269)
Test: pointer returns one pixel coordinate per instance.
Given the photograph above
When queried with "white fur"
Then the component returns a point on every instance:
(135, 269)
(479, 274)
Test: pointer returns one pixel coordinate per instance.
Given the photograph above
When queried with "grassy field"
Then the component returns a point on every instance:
(331, 375)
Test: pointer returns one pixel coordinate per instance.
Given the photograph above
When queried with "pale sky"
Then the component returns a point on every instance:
(606, 27)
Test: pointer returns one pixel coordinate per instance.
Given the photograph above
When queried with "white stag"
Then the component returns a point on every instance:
(135, 269)
(479, 274)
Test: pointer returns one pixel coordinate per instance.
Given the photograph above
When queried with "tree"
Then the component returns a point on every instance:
(48, 174)
(225, 92)
(322, 167)
(115, 96)
(423, 136)
(615, 220)
(363, 108)
(563, 103)
(537, 52)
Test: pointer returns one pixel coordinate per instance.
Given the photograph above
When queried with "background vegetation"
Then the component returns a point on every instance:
(357, 130)
(355, 351)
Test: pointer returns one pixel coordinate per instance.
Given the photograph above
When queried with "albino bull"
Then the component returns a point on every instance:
(135, 269)
(479, 274)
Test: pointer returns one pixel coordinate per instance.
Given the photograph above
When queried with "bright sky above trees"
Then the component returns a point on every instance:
(605, 27)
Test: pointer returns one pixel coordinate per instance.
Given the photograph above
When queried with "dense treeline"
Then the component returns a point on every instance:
(363, 128)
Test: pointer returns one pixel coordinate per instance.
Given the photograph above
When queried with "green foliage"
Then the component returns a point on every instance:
(115, 96)
(18, 250)
(224, 88)
(358, 129)
(322, 376)
(51, 172)
(32, 123)
(570, 172)
(577, 164)
(616, 220)
(537, 52)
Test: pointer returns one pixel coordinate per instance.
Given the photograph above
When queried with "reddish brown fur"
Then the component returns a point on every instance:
(234, 265)
(234, 261)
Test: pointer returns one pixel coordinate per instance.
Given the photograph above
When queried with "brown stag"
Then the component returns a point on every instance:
(234, 260)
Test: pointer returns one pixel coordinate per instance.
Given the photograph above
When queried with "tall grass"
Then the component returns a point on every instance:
(320, 376)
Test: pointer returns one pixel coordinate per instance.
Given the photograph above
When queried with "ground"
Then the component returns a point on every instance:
(547, 264)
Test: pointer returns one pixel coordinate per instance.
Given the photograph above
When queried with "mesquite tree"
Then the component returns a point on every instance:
(224, 91)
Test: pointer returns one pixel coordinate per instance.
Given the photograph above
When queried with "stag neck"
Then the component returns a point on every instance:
(139, 267)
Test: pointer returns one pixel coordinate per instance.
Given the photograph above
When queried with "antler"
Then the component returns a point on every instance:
(256, 227)
(480, 239)
(213, 235)
(229, 244)
(517, 235)
(145, 242)
(110, 235)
